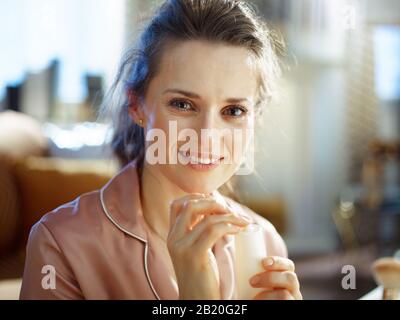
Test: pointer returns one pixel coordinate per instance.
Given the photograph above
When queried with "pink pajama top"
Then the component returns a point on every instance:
(100, 247)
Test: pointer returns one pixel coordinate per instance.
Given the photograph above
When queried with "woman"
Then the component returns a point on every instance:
(161, 229)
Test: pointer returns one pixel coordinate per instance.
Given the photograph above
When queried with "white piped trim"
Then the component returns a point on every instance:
(132, 235)
(113, 221)
(147, 272)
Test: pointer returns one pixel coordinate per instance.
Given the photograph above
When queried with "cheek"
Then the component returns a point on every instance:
(156, 119)
(167, 128)
(238, 141)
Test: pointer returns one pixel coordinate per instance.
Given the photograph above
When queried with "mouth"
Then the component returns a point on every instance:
(201, 161)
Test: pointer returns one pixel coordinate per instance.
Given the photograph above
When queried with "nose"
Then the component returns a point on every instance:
(208, 119)
(209, 132)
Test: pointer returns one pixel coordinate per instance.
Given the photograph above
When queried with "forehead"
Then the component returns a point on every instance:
(208, 68)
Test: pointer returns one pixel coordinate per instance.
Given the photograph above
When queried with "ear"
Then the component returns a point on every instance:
(135, 109)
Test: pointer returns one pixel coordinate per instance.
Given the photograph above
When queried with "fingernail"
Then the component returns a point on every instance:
(240, 220)
(254, 280)
(247, 219)
(268, 262)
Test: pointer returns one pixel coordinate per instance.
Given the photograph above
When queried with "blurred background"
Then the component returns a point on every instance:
(327, 153)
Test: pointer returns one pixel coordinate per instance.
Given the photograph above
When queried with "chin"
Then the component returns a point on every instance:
(191, 181)
(197, 183)
(197, 186)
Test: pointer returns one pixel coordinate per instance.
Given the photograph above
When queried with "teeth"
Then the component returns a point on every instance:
(199, 160)
(196, 160)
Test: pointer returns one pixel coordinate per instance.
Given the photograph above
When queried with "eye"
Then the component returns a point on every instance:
(181, 105)
(234, 111)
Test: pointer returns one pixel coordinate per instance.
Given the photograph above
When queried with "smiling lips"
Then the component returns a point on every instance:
(201, 162)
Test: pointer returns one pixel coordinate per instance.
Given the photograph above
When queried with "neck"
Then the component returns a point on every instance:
(156, 194)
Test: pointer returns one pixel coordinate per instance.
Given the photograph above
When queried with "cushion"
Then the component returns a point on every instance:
(12, 264)
(46, 183)
(20, 136)
(9, 209)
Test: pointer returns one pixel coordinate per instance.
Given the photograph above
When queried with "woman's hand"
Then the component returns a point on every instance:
(279, 280)
(196, 223)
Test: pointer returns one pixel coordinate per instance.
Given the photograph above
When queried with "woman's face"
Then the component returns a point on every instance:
(200, 86)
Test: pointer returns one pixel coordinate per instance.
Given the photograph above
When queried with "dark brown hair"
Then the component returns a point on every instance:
(232, 22)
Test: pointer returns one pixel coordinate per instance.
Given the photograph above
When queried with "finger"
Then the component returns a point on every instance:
(276, 263)
(176, 205)
(207, 206)
(276, 279)
(186, 211)
(278, 294)
(210, 220)
(194, 210)
(213, 233)
(232, 205)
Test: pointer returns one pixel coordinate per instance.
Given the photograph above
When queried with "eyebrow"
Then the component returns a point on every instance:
(196, 96)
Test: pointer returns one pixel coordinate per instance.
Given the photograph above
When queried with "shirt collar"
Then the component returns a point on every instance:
(120, 199)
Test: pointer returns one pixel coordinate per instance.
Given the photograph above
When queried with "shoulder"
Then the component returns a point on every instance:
(53, 249)
(76, 217)
(275, 244)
